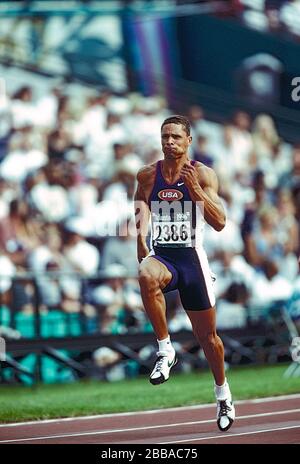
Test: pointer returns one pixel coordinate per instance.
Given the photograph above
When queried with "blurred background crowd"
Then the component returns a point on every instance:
(68, 167)
(69, 155)
(279, 16)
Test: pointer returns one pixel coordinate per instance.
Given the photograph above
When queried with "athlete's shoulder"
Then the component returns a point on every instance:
(207, 175)
(146, 172)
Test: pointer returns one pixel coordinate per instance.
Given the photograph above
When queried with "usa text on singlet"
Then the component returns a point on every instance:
(176, 220)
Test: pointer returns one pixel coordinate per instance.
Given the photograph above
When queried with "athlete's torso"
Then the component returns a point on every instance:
(176, 220)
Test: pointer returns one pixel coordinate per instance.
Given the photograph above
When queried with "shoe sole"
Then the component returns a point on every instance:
(161, 379)
(228, 426)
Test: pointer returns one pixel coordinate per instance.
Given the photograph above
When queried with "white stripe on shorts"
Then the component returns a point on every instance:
(207, 274)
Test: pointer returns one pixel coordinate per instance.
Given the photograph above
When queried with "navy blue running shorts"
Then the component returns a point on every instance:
(190, 275)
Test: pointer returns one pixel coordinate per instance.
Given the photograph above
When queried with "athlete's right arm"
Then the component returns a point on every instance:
(142, 215)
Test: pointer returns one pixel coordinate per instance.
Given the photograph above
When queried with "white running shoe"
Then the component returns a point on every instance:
(225, 414)
(162, 367)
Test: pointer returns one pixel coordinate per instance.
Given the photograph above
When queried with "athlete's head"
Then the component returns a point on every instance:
(178, 119)
(175, 136)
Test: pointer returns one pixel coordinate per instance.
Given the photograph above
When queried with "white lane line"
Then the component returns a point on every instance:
(152, 411)
(149, 427)
(230, 435)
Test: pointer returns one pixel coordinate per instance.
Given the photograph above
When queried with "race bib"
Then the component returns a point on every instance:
(172, 233)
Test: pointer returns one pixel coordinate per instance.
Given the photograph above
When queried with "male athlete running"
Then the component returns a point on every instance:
(180, 195)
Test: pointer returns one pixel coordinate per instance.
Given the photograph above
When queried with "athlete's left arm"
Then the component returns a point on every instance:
(207, 193)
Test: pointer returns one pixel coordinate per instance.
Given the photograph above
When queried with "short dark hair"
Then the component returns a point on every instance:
(178, 119)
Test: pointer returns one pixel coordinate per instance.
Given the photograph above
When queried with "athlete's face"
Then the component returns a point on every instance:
(174, 141)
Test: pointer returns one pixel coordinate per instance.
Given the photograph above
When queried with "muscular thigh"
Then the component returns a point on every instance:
(157, 270)
(195, 286)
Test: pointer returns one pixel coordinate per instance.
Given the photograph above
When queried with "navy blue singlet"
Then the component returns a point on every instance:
(176, 239)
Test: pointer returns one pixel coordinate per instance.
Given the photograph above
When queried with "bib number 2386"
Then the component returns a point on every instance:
(172, 232)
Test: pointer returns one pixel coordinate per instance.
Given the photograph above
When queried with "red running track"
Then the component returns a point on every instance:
(270, 420)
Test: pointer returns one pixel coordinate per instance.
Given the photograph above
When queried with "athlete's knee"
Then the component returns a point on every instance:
(209, 340)
(147, 280)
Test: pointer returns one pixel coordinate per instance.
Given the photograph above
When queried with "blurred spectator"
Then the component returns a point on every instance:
(62, 290)
(276, 16)
(228, 163)
(265, 137)
(291, 179)
(81, 255)
(231, 311)
(262, 243)
(261, 197)
(270, 287)
(288, 234)
(59, 141)
(123, 183)
(119, 303)
(177, 319)
(83, 193)
(7, 194)
(293, 304)
(290, 17)
(231, 268)
(202, 126)
(273, 239)
(278, 165)
(287, 227)
(48, 196)
(93, 118)
(19, 232)
(23, 111)
(55, 291)
(272, 14)
(144, 121)
(121, 250)
(109, 298)
(229, 239)
(242, 141)
(273, 156)
(7, 271)
(107, 364)
(49, 250)
(47, 108)
(22, 158)
(200, 152)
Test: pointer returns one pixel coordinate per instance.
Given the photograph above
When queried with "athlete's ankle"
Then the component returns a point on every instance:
(165, 348)
(222, 392)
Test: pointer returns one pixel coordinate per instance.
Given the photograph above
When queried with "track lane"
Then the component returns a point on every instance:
(257, 421)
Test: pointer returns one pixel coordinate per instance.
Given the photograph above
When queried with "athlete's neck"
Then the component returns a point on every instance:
(172, 167)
